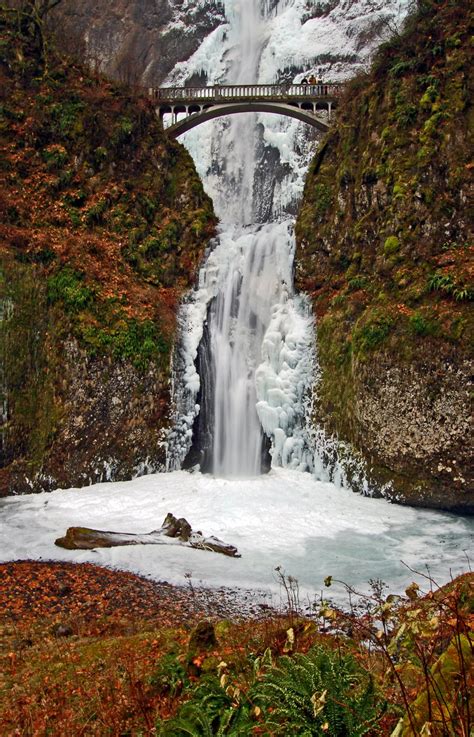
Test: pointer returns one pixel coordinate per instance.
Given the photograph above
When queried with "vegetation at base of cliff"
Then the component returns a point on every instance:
(28, 361)
(104, 223)
(384, 234)
(141, 661)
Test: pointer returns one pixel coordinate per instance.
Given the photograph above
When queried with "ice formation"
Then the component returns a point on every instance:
(281, 518)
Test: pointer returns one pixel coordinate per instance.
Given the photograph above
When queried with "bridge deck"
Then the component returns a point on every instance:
(248, 92)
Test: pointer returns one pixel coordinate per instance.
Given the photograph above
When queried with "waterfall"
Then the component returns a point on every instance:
(246, 340)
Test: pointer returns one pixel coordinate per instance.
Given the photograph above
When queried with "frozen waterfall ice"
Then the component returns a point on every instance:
(246, 363)
(231, 418)
(243, 387)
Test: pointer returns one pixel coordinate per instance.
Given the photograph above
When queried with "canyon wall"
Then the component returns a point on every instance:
(385, 252)
(104, 223)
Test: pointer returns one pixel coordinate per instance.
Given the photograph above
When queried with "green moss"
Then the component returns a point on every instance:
(28, 358)
(430, 96)
(371, 331)
(399, 191)
(323, 198)
(391, 245)
(139, 341)
(201, 222)
(431, 126)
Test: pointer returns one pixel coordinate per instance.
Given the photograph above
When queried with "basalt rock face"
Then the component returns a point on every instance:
(136, 42)
(384, 248)
(104, 223)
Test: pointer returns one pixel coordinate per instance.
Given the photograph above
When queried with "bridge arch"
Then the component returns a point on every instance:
(198, 104)
(196, 117)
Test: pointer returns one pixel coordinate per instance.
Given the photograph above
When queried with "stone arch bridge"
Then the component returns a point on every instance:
(187, 107)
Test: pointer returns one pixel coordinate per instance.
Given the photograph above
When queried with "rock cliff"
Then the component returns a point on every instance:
(103, 225)
(385, 251)
(136, 42)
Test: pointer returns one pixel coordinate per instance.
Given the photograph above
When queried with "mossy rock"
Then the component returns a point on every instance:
(391, 245)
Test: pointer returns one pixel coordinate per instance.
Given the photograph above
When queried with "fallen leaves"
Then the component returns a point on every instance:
(83, 594)
(79, 645)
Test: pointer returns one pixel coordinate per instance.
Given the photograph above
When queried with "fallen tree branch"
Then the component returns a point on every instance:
(173, 530)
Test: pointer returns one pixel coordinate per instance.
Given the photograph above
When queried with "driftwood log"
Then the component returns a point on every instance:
(172, 530)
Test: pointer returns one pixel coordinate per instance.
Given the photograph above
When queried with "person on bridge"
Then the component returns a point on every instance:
(312, 79)
(304, 82)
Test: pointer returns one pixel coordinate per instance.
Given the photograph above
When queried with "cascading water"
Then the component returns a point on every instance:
(238, 320)
(243, 285)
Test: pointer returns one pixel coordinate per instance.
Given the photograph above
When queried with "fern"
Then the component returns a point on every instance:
(211, 712)
(322, 689)
(319, 693)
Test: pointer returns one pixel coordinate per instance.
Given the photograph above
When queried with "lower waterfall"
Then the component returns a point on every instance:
(245, 360)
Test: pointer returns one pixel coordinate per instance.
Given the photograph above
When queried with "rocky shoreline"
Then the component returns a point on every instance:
(43, 589)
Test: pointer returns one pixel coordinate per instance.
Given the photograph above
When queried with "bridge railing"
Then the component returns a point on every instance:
(226, 93)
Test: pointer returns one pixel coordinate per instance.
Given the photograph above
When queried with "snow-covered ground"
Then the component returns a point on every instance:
(286, 518)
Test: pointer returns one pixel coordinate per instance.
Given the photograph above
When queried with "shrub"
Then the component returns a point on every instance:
(213, 710)
(170, 676)
(322, 691)
(100, 155)
(446, 283)
(122, 132)
(66, 117)
(95, 214)
(67, 286)
(358, 282)
(421, 325)
(401, 67)
(54, 156)
(76, 198)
